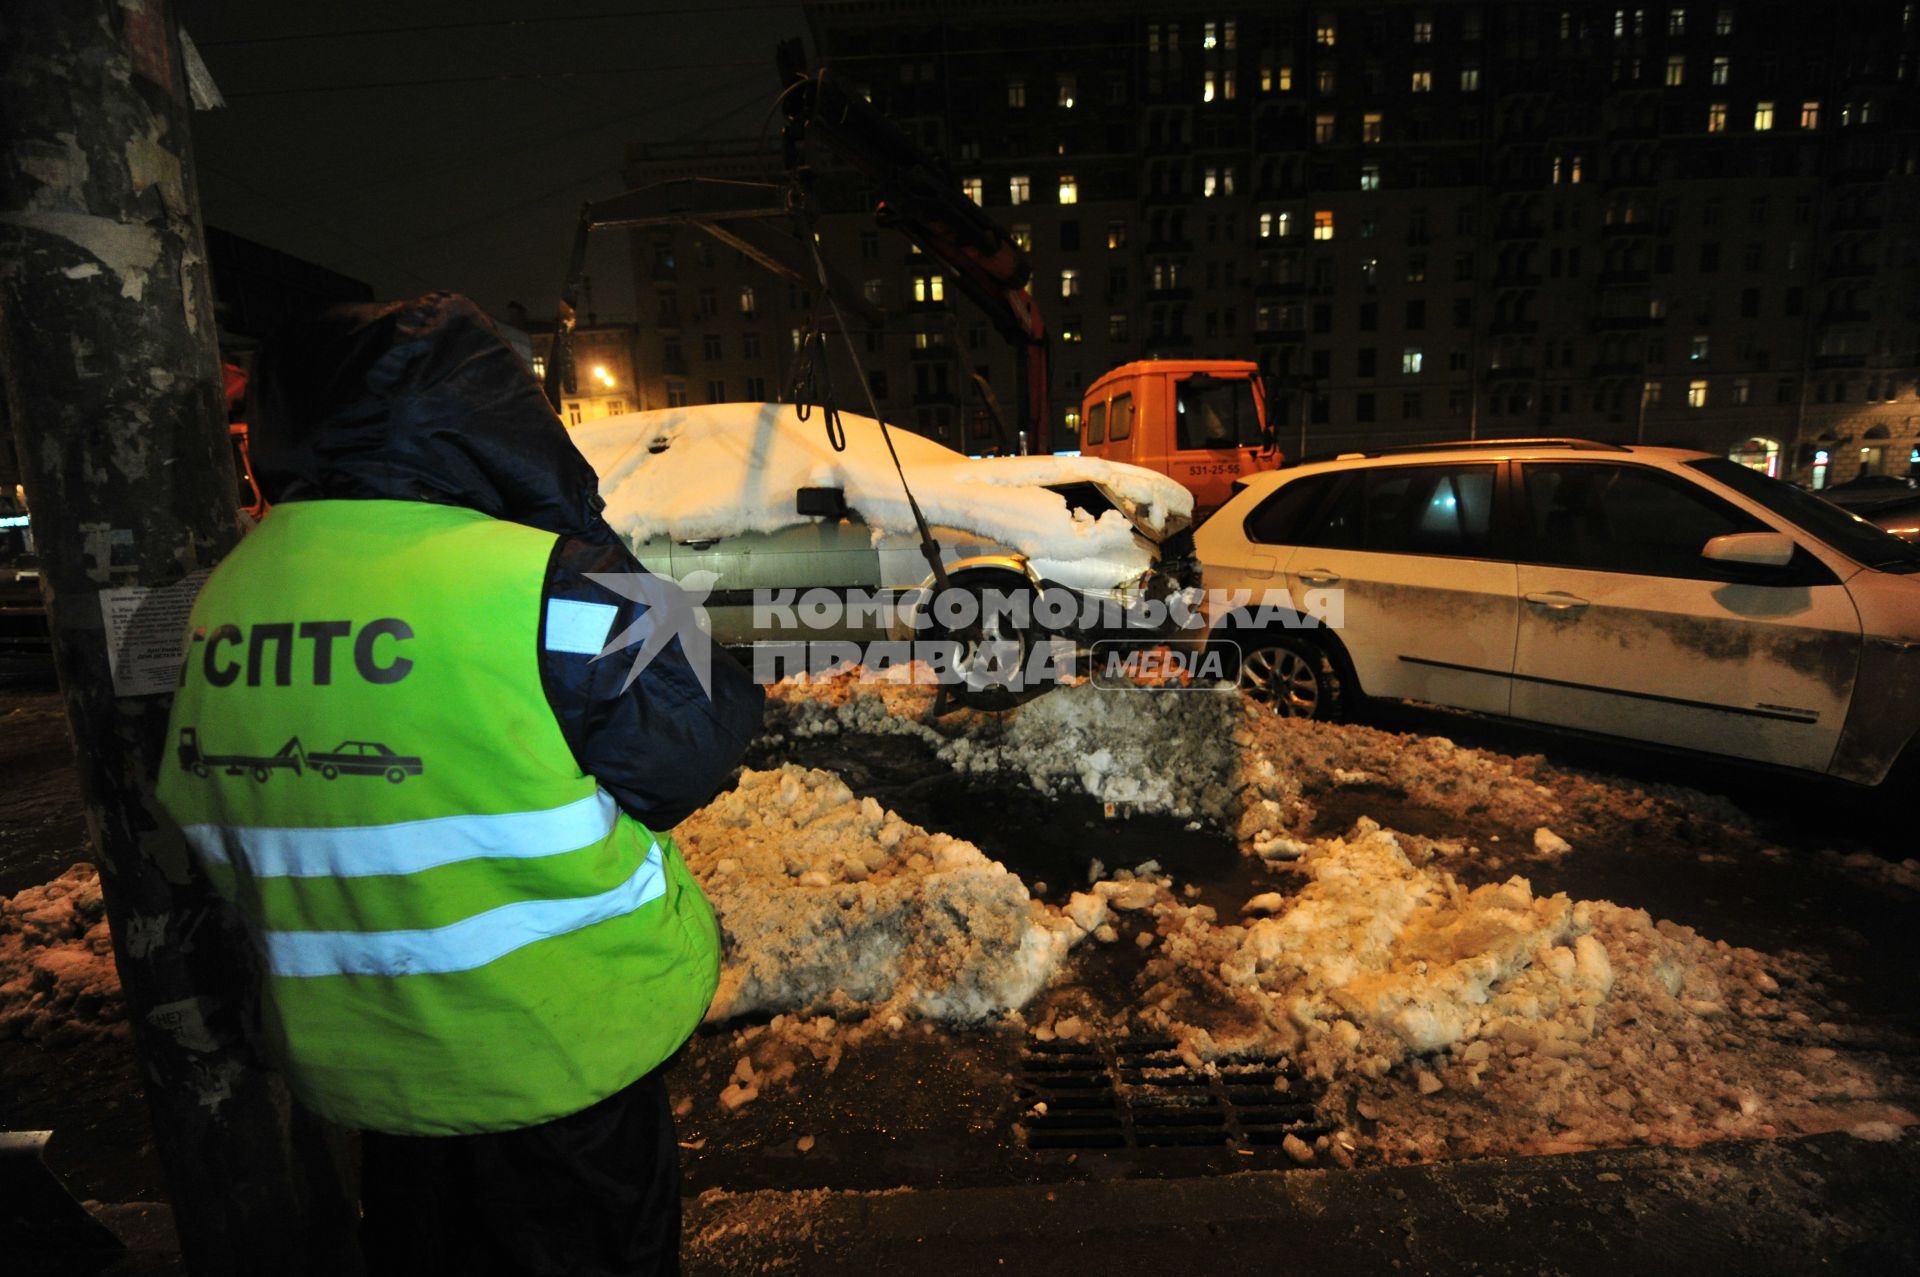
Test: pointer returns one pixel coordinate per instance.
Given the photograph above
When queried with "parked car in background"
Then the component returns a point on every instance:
(1653, 594)
(1869, 490)
(1900, 517)
(763, 502)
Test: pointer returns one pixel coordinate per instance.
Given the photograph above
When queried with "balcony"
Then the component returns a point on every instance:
(1507, 229)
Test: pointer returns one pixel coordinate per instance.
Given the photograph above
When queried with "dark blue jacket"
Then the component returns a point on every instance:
(423, 401)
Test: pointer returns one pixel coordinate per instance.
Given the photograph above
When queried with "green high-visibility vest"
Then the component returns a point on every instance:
(460, 930)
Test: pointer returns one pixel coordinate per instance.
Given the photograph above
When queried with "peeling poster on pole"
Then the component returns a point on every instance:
(146, 630)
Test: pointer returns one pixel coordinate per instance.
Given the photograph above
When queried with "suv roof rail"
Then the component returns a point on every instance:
(1465, 445)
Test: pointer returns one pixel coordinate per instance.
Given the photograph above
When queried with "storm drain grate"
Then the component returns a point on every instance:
(1141, 1094)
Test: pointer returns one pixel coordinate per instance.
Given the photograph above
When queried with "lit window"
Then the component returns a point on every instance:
(746, 299)
(1226, 180)
(1323, 224)
(1676, 22)
(1723, 21)
(1370, 271)
(1676, 69)
(1717, 118)
(1423, 81)
(539, 367)
(1423, 30)
(1410, 360)
(1069, 283)
(1574, 173)
(1722, 69)
(1209, 183)
(1697, 351)
(1762, 116)
(1116, 234)
(1283, 80)
(1322, 129)
(1370, 177)
(1230, 33)
(1809, 115)
(1469, 79)
(1023, 237)
(1283, 225)
(1069, 189)
(1696, 394)
(1072, 334)
(929, 288)
(1209, 37)
(1371, 127)
(1323, 81)
(1016, 93)
(1065, 96)
(1226, 85)
(1207, 88)
(974, 189)
(1019, 188)
(1742, 391)
(1650, 394)
(1323, 30)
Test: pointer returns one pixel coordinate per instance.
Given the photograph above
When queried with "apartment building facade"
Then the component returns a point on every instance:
(1694, 223)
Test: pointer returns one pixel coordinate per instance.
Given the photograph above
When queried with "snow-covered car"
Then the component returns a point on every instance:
(1653, 594)
(757, 505)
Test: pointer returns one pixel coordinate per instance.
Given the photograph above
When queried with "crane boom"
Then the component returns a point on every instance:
(916, 194)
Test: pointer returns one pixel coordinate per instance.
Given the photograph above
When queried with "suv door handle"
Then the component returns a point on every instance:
(1557, 601)
(1317, 576)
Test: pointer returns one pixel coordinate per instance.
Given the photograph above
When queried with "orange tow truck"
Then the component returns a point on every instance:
(1200, 422)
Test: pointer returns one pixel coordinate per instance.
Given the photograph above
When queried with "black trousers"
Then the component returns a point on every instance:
(593, 1194)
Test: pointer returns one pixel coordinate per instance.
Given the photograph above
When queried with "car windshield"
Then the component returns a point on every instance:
(1216, 412)
(1847, 533)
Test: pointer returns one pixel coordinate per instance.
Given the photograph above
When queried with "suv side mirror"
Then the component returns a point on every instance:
(1752, 549)
(826, 503)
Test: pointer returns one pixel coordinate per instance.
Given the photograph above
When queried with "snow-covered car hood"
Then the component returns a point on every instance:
(724, 469)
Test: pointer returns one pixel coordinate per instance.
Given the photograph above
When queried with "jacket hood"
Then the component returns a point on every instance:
(418, 400)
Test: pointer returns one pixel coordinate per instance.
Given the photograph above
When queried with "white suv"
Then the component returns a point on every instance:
(1654, 594)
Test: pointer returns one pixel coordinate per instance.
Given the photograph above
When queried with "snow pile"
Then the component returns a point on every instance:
(57, 978)
(1216, 757)
(1458, 1021)
(1169, 753)
(726, 469)
(828, 903)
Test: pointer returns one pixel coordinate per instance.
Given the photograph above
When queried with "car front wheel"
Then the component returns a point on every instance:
(1293, 677)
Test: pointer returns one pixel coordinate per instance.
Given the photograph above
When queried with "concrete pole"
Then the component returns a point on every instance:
(112, 377)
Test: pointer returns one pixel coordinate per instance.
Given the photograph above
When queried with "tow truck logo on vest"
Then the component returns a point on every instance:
(673, 608)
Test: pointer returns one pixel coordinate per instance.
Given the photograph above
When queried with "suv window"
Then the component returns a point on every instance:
(1097, 422)
(1614, 518)
(1278, 519)
(1431, 510)
(1120, 418)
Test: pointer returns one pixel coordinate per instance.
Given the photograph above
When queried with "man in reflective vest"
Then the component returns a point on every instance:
(400, 754)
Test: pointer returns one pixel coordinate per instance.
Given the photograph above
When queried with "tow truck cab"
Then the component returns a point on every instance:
(1200, 422)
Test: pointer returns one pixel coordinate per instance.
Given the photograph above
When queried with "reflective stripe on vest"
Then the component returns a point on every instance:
(460, 946)
(408, 846)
